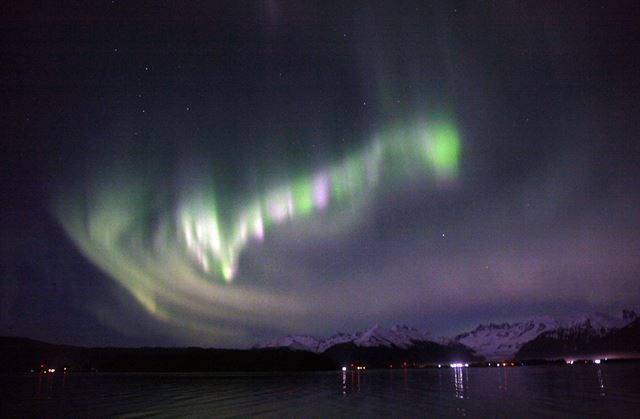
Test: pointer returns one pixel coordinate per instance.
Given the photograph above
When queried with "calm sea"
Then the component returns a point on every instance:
(608, 391)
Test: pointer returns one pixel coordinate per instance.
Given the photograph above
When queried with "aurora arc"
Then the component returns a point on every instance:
(184, 257)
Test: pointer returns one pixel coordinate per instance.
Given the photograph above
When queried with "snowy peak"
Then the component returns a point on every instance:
(502, 341)
(374, 336)
(492, 341)
(596, 323)
(298, 343)
(335, 340)
(408, 334)
(495, 341)
(593, 324)
(400, 336)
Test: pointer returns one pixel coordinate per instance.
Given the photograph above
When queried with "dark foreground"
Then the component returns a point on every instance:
(611, 390)
(22, 355)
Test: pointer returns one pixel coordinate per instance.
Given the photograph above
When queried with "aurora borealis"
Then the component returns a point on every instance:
(214, 243)
(213, 173)
(169, 258)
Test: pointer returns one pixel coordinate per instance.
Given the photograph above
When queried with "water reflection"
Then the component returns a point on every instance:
(46, 386)
(459, 378)
(549, 391)
(504, 380)
(601, 382)
(351, 381)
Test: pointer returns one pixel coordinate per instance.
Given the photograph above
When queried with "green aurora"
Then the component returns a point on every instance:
(184, 255)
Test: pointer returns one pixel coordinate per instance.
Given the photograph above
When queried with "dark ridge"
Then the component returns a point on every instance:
(21, 355)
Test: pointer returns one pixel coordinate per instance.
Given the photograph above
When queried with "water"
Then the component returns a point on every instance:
(607, 390)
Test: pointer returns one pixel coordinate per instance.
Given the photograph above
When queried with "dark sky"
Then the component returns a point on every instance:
(214, 173)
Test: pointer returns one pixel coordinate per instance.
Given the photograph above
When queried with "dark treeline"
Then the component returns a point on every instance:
(21, 355)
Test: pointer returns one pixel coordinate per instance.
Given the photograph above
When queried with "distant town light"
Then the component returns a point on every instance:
(458, 365)
(596, 361)
(344, 368)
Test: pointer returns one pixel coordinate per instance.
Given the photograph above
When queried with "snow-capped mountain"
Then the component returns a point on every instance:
(502, 341)
(297, 343)
(595, 323)
(583, 340)
(400, 336)
(491, 341)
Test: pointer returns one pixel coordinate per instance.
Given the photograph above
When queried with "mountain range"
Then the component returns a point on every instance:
(540, 338)
(586, 340)
(531, 338)
(399, 336)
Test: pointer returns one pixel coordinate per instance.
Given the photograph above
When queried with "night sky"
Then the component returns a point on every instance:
(202, 173)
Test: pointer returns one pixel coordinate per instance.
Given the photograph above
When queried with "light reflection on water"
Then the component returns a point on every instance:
(459, 377)
(601, 381)
(566, 391)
